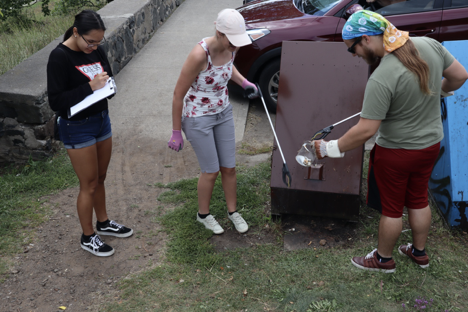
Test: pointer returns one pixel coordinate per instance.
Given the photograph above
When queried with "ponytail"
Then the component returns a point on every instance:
(68, 33)
(85, 21)
(409, 56)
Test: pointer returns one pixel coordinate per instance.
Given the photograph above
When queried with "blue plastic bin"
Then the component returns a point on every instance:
(449, 180)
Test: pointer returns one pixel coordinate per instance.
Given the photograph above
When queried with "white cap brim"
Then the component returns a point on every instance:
(239, 40)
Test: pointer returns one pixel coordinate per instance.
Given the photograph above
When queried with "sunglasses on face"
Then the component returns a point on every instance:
(90, 45)
(351, 49)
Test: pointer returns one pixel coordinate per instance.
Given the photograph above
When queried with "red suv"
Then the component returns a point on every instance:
(270, 22)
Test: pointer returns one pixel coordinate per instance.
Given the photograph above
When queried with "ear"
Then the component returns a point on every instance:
(75, 32)
(366, 39)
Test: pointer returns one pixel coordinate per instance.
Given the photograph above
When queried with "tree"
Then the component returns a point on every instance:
(12, 8)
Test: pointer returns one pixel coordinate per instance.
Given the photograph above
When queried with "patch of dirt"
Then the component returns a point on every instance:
(316, 232)
(54, 271)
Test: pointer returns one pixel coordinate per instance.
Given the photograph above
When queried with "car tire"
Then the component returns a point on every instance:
(268, 82)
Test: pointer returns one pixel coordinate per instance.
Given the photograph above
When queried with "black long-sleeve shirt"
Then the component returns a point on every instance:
(68, 75)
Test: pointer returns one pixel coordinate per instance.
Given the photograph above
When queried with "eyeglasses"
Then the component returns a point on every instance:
(93, 44)
(351, 48)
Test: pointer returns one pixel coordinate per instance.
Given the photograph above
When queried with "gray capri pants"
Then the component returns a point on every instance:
(213, 139)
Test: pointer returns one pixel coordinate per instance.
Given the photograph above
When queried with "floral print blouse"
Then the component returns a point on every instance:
(208, 94)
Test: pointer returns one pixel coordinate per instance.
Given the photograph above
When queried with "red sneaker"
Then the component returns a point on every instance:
(406, 250)
(370, 263)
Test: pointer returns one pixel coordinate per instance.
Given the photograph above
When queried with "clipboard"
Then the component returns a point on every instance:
(108, 89)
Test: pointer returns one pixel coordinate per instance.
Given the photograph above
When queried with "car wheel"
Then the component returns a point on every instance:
(268, 81)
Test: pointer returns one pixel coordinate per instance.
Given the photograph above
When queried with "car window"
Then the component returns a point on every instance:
(397, 7)
(456, 4)
(315, 7)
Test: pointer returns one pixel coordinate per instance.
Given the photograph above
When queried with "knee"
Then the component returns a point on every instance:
(102, 178)
(228, 171)
(89, 186)
(210, 176)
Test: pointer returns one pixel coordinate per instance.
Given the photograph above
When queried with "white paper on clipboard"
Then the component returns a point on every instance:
(109, 89)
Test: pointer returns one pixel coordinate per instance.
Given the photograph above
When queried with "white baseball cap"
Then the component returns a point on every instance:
(232, 24)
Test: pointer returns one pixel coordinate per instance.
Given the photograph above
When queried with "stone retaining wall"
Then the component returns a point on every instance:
(26, 123)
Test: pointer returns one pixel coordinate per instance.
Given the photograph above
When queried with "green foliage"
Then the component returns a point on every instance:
(14, 8)
(64, 7)
(23, 35)
(323, 306)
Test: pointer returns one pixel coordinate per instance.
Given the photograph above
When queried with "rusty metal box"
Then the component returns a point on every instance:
(320, 84)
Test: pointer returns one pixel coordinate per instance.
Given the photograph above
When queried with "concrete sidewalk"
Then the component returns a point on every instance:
(146, 84)
(141, 112)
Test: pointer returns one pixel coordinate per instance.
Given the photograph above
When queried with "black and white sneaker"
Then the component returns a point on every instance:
(96, 246)
(112, 228)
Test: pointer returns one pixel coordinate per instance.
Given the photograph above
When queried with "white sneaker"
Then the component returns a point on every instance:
(211, 224)
(239, 222)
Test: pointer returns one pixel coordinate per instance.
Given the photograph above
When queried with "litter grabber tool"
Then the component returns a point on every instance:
(286, 175)
(306, 156)
(321, 134)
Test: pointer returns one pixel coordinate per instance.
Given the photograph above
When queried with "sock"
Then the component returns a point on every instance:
(102, 224)
(230, 213)
(86, 238)
(417, 252)
(203, 216)
(382, 259)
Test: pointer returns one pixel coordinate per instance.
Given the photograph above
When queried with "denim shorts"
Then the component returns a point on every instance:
(213, 139)
(85, 132)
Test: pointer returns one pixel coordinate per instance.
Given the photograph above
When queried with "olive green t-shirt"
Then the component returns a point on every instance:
(410, 118)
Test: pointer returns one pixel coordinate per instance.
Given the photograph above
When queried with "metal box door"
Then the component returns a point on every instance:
(320, 84)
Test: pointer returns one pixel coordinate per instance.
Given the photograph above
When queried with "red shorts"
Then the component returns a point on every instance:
(399, 178)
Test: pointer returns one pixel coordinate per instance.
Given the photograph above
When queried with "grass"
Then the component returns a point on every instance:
(247, 149)
(189, 242)
(195, 277)
(21, 206)
(23, 37)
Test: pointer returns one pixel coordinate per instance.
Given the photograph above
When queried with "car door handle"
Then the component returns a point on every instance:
(421, 32)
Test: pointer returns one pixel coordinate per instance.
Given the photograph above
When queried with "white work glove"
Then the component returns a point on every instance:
(444, 94)
(327, 149)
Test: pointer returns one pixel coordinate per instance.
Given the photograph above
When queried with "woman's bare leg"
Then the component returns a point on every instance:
(229, 181)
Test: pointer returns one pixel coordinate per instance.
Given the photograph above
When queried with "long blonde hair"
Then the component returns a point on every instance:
(410, 57)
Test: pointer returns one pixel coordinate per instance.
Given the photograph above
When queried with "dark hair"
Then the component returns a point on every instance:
(85, 21)
(409, 56)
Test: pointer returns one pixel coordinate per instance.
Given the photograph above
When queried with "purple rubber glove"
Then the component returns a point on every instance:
(246, 85)
(176, 142)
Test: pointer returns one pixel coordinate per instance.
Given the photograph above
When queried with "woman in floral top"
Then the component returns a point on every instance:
(201, 108)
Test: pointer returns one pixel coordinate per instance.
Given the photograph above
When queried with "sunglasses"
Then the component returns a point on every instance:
(90, 45)
(351, 49)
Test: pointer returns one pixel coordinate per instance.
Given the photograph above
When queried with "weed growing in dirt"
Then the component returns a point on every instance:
(21, 206)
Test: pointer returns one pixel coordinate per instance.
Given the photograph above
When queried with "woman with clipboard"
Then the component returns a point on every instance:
(77, 67)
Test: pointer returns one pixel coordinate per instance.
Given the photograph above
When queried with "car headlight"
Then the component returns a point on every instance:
(256, 34)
